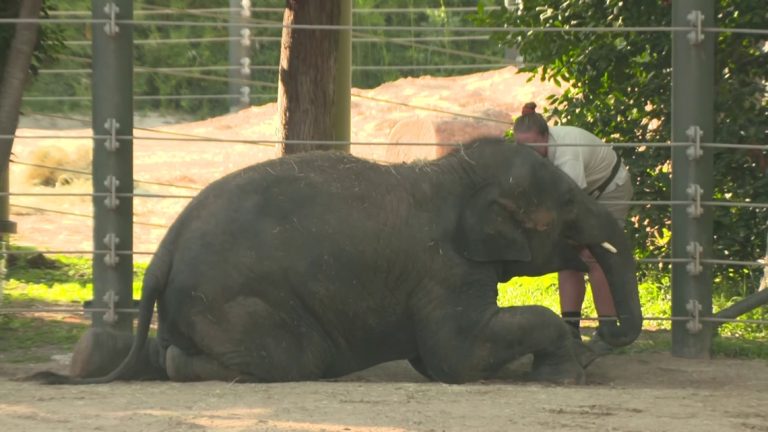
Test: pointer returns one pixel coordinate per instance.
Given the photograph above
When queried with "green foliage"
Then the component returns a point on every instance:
(618, 85)
(426, 13)
(50, 40)
(371, 53)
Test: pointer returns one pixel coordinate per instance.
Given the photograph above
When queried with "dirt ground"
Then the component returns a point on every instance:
(640, 392)
(637, 392)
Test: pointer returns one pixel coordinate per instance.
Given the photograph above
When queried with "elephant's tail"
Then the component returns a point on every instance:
(154, 283)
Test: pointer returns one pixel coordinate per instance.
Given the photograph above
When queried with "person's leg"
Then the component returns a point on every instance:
(601, 292)
(572, 288)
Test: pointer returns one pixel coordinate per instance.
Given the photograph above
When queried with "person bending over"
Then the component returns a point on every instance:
(598, 170)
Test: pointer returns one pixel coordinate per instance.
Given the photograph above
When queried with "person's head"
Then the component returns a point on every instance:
(531, 128)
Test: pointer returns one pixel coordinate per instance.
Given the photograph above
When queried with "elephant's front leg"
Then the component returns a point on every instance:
(473, 341)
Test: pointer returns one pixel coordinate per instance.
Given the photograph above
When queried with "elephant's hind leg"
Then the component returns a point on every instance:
(252, 340)
(184, 367)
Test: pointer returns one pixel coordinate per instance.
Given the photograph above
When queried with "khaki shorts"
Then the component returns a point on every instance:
(623, 192)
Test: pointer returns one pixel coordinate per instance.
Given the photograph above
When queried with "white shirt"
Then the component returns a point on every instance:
(588, 162)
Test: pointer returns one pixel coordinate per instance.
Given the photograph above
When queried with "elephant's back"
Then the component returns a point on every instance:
(325, 187)
(326, 217)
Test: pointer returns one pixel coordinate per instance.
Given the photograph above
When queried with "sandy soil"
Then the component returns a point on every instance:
(638, 392)
(645, 392)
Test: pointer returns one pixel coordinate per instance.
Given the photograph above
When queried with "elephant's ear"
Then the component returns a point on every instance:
(487, 231)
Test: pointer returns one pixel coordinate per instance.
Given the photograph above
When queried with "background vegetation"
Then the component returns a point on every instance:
(618, 85)
(369, 51)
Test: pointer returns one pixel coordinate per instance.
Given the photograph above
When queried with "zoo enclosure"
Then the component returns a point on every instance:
(692, 32)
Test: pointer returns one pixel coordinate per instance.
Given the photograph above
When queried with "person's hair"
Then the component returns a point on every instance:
(531, 121)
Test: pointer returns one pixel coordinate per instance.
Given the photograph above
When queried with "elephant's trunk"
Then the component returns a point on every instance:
(619, 268)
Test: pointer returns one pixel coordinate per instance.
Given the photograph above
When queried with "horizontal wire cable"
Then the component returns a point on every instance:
(154, 195)
(328, 142)
(664, 260)
(62, 310)
(147, 98)
(278, 39)
(66, 213)
(74, 252)
(168, 11)
(94, 194)
(86, 310)
(88, 173)
(602, 29)
(159, 131)
(277, 25)
(736, 146)
(275, 68)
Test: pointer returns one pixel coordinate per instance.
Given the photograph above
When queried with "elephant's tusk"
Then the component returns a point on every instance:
(609, 247)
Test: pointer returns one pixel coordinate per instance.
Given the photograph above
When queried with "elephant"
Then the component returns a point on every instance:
(316, 265)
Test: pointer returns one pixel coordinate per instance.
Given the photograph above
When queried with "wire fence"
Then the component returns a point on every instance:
(384, 28)
(474, 34)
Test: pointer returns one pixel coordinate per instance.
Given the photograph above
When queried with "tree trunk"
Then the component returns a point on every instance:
(18, 59)
(306, 96)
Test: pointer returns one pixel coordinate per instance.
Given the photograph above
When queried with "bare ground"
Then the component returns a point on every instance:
(640, 392)
(634, 392)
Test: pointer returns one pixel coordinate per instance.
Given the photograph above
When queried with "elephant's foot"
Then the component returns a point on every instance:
(100, 351)
(558, 368)
(182, 367)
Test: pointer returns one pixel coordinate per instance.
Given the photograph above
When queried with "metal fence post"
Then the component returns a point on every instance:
(112, 116)
(692, 122)
(239, 54)
(342, 117)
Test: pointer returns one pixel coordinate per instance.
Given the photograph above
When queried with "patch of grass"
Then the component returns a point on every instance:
(62, 281)
(23, 332)
(70, 281)
(530, 290)
(722, 345)
(729, 346)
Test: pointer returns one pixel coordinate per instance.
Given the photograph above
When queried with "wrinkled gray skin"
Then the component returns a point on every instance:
(320, 264)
